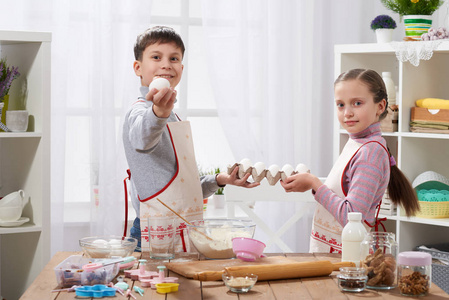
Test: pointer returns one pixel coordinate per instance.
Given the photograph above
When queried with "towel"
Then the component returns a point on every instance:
(433, 103)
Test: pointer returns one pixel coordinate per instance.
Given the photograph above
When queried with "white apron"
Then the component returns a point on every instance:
(183, 193)
(326, 231)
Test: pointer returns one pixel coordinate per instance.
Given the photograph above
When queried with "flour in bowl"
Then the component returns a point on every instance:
(221, 244)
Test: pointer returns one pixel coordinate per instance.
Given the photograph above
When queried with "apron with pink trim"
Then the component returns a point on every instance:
(183, 194)
(326, 231)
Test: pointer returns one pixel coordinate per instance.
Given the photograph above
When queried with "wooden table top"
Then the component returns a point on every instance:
(306, 288)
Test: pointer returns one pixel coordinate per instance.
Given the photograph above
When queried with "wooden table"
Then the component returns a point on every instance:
(305, 288)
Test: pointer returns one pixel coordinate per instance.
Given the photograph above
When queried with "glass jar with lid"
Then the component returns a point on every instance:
(379, 251)
(414, 273)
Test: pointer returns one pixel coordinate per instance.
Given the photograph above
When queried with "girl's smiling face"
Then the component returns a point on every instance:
(356, 109)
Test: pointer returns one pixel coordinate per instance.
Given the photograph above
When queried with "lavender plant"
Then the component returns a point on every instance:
(383, 21)
(7, 75)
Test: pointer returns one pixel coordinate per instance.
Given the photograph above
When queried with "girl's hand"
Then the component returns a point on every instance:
(163, 101)
(224, 178)
(301, 182)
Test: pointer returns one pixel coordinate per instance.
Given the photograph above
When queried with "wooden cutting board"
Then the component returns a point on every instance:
(190, 269)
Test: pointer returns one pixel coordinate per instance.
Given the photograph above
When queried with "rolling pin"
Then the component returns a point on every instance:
(277, 271)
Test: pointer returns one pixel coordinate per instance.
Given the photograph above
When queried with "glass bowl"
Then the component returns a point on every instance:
(239, 284)
(213, 237)
(108, 246)
(352, 279)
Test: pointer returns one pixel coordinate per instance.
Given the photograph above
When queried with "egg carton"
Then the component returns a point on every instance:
(259, 171)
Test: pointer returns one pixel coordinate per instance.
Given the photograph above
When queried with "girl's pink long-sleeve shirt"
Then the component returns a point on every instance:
(364, 181)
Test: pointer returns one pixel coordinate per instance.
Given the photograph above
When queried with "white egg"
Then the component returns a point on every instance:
(245, 164)
(302, 168)
(287, 169)
(259, 166)
(159, 83)
(115, 242)
(100, 243)
(273, 169)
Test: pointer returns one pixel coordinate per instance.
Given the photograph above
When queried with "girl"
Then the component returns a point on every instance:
(365, 168)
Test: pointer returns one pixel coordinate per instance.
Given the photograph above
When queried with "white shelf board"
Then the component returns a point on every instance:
(20, 229)
(379, 48)
(16, 37)
(20, 134)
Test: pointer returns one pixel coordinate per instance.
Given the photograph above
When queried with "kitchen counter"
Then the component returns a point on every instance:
(306, 288)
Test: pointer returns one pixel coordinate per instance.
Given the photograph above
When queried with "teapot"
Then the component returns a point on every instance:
(11, 206)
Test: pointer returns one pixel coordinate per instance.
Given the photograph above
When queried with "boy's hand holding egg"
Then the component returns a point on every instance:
(162, 96)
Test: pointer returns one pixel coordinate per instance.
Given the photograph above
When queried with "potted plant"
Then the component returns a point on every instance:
(219, 197)
(383, 25)
(417, 15)
(7, 76)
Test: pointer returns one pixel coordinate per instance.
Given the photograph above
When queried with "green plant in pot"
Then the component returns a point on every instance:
(220, 190)
(413, 7)
(417, 15)
(7, 76)
(219, 197)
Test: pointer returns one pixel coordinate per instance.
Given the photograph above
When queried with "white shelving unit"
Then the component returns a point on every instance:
(414, 152)
(25, 162)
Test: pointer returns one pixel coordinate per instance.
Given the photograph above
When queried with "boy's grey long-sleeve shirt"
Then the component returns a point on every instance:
(149, 152)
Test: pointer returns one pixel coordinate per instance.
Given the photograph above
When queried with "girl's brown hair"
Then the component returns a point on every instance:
(400, 190)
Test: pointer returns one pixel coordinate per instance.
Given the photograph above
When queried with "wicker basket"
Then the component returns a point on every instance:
(433, 210)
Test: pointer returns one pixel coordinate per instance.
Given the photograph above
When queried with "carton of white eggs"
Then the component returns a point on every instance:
(272, 174)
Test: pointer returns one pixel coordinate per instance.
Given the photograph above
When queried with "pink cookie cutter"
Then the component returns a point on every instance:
(159, 279)
(141, 273)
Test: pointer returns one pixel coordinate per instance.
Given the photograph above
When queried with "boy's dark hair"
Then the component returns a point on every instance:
(400, 190)
(157, 34)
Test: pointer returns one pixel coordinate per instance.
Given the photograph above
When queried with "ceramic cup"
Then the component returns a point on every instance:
(10, 213)
(14, 199)
(17, 120)
(162, 233)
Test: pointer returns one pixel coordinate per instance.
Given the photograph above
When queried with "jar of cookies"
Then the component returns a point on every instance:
(414, 273)
(379, 250)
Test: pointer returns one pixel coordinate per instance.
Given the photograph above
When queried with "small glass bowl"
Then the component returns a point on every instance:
(239, 284)
(352, 279)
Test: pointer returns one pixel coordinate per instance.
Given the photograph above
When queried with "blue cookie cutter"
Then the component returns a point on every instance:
(96, 291)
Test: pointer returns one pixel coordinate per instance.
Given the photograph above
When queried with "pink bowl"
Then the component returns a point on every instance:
(247, 249)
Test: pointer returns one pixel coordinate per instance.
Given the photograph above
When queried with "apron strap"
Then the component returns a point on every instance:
(378, 221)
(126, 201)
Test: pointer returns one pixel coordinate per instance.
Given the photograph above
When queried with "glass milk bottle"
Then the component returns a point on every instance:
(352, 236)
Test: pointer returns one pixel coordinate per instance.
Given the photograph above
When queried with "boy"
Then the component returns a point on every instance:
(159, 147)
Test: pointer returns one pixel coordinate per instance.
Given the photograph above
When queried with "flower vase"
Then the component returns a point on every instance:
(416, 25)
(3, 109)
(384, 35)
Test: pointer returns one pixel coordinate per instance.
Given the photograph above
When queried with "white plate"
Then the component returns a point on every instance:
(19, 222)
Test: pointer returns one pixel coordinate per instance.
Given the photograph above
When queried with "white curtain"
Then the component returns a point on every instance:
(93, 84)
(271, 64)
(271, 67)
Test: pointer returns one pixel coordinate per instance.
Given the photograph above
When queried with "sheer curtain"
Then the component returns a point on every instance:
(93, 83)
(271, 68)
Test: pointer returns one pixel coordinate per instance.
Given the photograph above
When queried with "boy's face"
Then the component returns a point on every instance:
(160, 60)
